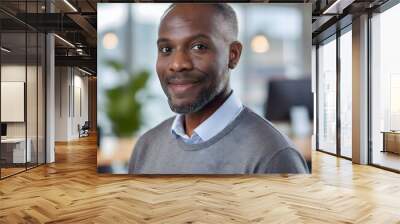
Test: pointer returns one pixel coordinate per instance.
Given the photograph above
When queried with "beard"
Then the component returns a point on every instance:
(206, 95)
(202, 99)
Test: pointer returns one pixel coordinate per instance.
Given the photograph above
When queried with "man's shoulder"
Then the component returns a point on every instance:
(143, 146)
(264, 130)
(160, 129)
(273, 147)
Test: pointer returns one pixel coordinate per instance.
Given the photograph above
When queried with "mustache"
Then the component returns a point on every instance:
(178, 78)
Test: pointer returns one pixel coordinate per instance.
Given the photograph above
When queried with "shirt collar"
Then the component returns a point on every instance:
(226, 113)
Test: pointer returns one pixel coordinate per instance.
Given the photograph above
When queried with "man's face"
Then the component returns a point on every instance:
(193, 57)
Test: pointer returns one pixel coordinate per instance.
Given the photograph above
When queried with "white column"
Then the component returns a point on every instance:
(50, 100)
(360, 90)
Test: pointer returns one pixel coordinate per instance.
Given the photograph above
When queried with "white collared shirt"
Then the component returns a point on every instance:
(221, 118)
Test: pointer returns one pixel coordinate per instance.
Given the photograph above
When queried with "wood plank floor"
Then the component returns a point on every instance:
(9, 171)
(70, 191)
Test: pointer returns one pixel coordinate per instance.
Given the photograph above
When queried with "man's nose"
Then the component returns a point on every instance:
(180, 62)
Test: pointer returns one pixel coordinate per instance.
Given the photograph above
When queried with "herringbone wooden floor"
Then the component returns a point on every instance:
(70, 191)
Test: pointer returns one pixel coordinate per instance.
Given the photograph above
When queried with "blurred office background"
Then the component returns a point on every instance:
(273, 77)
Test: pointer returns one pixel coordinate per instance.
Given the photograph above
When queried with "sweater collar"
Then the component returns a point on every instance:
(209, 128)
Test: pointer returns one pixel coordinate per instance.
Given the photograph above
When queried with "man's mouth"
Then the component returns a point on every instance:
(181, 82)
(182, 86)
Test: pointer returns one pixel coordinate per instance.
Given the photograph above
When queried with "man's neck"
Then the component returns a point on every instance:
(192, 120)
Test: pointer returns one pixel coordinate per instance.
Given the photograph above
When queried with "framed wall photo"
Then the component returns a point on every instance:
(181, 93)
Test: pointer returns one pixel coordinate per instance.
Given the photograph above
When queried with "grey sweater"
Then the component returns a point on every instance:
(248, 145)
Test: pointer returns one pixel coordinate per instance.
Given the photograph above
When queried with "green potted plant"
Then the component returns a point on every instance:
(123, 104)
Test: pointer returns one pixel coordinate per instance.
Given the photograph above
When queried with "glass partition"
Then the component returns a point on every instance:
(327, 96)
(22, 88)
(13, 105)
(41, 109)
(31, 99)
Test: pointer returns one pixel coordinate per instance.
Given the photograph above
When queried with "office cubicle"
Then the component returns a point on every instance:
(22, 90)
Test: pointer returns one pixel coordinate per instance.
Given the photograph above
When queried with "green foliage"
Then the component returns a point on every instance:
(123, 106)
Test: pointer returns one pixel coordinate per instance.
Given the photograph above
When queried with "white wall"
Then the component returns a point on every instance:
(80, 93)
(33, 126)
(16, 73)
(70, 84)
(61, 103)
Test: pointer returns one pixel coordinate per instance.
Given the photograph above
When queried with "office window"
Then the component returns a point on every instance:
(327, 96)
(385, 89)
(346, 94)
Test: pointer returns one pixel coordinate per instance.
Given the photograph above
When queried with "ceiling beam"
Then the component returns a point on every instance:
(82, 61)
(86, 26)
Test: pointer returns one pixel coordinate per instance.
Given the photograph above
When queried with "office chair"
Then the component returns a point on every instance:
(84, 130)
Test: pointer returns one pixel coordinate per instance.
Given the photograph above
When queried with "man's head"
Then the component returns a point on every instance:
(197, 48)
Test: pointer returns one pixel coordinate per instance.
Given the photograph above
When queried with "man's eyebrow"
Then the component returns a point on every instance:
(197, 36)
(162, 40)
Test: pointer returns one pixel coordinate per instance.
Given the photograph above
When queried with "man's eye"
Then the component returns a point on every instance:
(199, 47)
(164, 50)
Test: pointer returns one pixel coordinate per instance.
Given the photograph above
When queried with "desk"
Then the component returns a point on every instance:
(391, 141)
(15, 148)
(115, 150)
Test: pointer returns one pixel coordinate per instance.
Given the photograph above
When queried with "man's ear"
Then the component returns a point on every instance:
(235, 50)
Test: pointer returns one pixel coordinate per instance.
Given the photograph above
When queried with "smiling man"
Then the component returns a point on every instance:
(212, 133)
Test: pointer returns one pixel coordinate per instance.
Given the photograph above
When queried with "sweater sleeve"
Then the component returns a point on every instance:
(287, 160)
(134, 159)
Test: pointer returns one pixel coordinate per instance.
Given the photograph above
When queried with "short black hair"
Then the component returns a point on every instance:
(225, 9)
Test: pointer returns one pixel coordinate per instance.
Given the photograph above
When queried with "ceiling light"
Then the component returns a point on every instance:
(84, 71)
(260, 44)
(65, 41)
(337, 7)
(330, 7)
(110, 41)
(79, 51)
(79, 44)
(5, 50)
(70, 5)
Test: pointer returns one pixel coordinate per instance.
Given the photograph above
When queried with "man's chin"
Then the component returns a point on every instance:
(185, 105)
(185, 108)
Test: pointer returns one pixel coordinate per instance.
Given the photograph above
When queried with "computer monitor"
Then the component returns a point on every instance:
(3, 129)
(284, 94)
